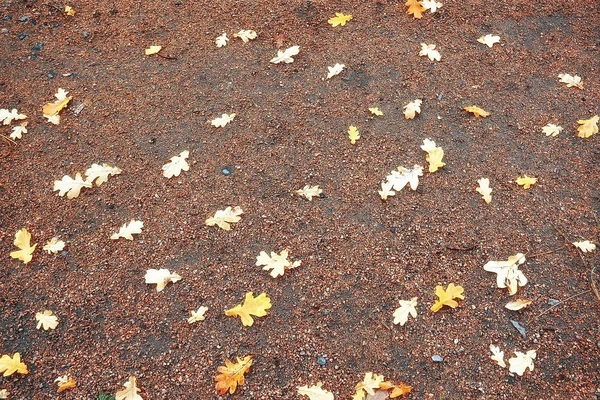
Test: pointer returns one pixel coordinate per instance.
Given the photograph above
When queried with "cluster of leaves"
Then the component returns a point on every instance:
(72, 187)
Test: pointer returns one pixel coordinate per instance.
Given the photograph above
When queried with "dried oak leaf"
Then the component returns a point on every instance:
(339, 19)
(152, 50)
(65, 382)
(412, 109)
(521, 362)
(160, 277)
(526, 181)
(552, 130)
(415, 7)
(518, 304)
(430, 51)
(100, 173)
(397, 390)
(315, 392)
(431, 5)
(353, 134)
(9, 365)
(407, 307)
(18, 131)
(176, 165)
(51, 110)
(222, 40)
(6, 117)
(434, 155)
(310, 191)
(375, 111)
(223, 120)
(508, 273)
(588, 127)
(246, 35)
(198, 315)
(398, 179)
(127, 230)
(484, 189)
(70, 11)
(585, 246)
(72, 187)
(256, 306)
(223, 218)
(231, 375)
(22, 241)
(277, 263)
(46, 320)
(446, 297)
(368, 385)
(571, 81)
(130, 392)
(3, 394)
(497, 355)
(285, 56)
(489, 40)
(335, 70)
(477, 111)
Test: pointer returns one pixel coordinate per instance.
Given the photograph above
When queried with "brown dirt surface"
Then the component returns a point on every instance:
(360, 255)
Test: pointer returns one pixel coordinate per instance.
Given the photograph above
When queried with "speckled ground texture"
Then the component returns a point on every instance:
(360, 255)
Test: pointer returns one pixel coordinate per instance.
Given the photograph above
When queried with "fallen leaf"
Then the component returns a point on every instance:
(508, 273)
(246, 35)
(434, 155)
(571, 81)
(277, 263)
(256, 306)
(8, 116)
(198, 315)
(518, 304)
(127, 230)
(22, 241)
(375, 111)
(286, 55)
(378, 395)
(130, 392)
(152, 50)
(54, 246)
(552, 130)
(386, 190)
(315, 392)
(446, 297)
(100, 173)
(335, 70)
(160, 277)
(3, 394)
(521, 362)
(585, 246)
(222, 40)
(497, 355)
(369, 384)
(588, 127)
(70, 11)
(223, 218)
(46, 320)
(489, 40)
(397, 390)
(407, 307)
(398, 179)
(65, 382)
(9, 365)
(223, 120)
(176, 165)
(353, 134)
(484, 189)
(339, 19)
(477, 111)
(51, 110)
(412, 108)
(231, 375)
(415, 7)
(19, 130)
(526, 181)
(429, 51)
(310, 191)
(432, 6)
(72, 187)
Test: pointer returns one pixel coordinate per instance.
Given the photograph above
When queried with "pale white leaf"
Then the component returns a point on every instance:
(335, 70)
(176, 165)
(55, 119)
(100, 173)
(585, 246)
(370, 383)
(571, 81)
(127, 230)
(315, 392)
(404, 176)
(71, 186)
(310, 191)
(521, 362)
(19, 130)
(552, 130)
(198, 315)
(130, 392)
(223, 218)
(508, 273)
(7, 116)
(407, 307)
(54, 245)
(412, 108)
(246, 35)
(484, 189)
(430, 51)
(286, 55)
(277, 263)
(431, 5)
(160, 277)
(3, 394)
(46, 320)
(489, 40)
(497, 355)
(518, 304)
(222, 40)
(223, 120)
(386, 190)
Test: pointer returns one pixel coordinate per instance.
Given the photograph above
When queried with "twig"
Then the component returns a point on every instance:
(543, 253)
(6, 139)
(562, 301)
(461, 248)
(166, 57)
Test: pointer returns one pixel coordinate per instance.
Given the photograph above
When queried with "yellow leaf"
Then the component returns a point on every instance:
(22, 241)
(526, 181)
(484, 189)
(353, 134)
(65, 382)
(434, 155)
(375, 111)
(152, 50)
(339, 19)
(10, 365)
(588, 127)
(252, 306)
(399, 390)
(53, 108)
(415, 8)
(130, 392)
(518, 304)
(446, 296)
(231, 375)
(70, 11)
(223, 218)
(477, 111)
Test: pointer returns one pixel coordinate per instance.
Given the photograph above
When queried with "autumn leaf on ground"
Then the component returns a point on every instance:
(430, 51)
(484, 189)
(231, 375)
(335, 70)
(130, 392)
(315, 392)
(286, 55)
(434, 155)
(489, 40)
(160, 277)
(65, 382)
(22, 241)
(386, 190)
(552, 130)
(100, 173)
(72, 187)
(369, 384)
(477, 111)
(51, 110)
(222, 40)
(585, 246)
(497, 355)
(54, 246)
(571, 81)
(526, 181)
(375, 111)
(19, 130)
(246, 35)
(353, 134)
(70, 11)
(3, 394)
(407, 307)
(339, 19)
(223, 120)
(521, 362)
(127, 230)
(198, 315)
(412, 108)
(397, 390)
(431, 5)
(446, 297)
(518, 304)
(152, 50)
(587, 127)
(277, 263)
(310, 191)
(9, 365)
(46, 320)
(508, 273)
(252, 306)
(223, 218)
(398, 179)
(176, 165)
(6, 117)
(415, 7)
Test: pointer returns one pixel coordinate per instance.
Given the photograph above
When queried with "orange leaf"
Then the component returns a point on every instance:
(231, 375)
(54, 108)
(447, 296)
(415, 7)
(64, 384)
(477, 111)
(400, 390)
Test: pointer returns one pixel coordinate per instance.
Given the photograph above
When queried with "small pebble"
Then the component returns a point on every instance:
(553, 302)
(226, 171)
(51, 75)
(24, 18)
(22, 36)
(321, 361)
(6, 18)
(437, 358)
(37, 46)
(5, 31)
